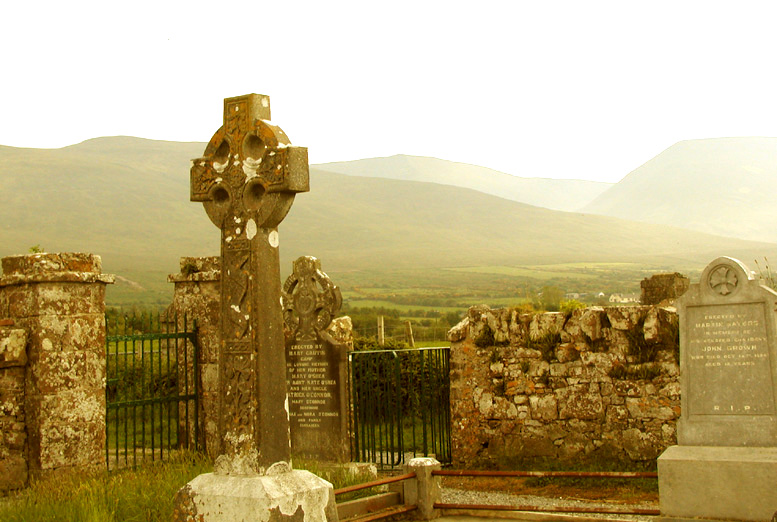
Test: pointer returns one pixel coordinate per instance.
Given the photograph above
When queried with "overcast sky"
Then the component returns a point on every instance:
(562, 89)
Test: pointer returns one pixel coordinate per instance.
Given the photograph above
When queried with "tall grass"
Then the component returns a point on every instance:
(145, 494)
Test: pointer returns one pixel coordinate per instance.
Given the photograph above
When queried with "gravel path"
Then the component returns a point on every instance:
(462, 496)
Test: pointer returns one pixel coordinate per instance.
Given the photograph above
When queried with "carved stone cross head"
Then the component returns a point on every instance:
(250, 173)
(310, 300)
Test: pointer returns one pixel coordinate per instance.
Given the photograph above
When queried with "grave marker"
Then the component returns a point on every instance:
(247, 180)
(316, 364)
(725, 463)
(728, 350)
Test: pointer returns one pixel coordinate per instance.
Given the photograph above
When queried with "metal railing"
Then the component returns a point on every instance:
(151, 388)
(400, 403)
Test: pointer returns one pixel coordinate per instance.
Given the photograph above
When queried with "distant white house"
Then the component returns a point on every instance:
(624, 298)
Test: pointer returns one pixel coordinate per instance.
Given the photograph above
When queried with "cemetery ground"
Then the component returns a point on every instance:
(146, 493)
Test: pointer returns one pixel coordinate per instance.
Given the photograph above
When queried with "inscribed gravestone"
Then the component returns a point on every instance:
(728, 355)
(247, 180)
(725, 464)
(316, 364)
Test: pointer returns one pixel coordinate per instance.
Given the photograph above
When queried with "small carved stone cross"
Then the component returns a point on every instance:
(247, 180)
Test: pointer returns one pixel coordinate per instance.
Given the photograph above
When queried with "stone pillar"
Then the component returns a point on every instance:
(663, 288)
(197, 297)
(425, 490)
(13, 435)
(59, 299)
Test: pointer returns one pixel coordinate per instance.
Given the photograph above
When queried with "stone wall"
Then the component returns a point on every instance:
(600, 383)
(58, 301)
(662, 288)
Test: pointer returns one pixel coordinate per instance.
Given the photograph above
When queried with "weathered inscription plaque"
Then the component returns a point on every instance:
(728, 358)
(730, 353)
(315, 364)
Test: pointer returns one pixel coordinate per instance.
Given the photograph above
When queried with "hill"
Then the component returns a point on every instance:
(722, 186)
(127, 199)
(556, 194)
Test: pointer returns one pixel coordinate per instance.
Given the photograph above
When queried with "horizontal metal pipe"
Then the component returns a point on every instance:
(388, 513)
(366, 485)
(579, 474)
(554, 509)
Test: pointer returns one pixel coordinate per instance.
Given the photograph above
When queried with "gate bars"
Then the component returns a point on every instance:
(400, 402)
(151, 388)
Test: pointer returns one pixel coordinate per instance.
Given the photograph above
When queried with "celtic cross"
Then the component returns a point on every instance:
(247, 180)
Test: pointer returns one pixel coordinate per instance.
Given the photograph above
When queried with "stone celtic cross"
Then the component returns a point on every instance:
(247, 180)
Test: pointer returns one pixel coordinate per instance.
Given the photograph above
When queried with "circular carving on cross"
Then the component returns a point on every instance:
(310, 300)
(249, 169)
(723, 280)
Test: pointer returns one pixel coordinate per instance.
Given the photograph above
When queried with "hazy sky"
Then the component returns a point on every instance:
(565, 89)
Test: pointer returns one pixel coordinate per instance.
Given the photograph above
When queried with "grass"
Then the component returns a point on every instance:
(145, 494)
(627, 486)
(539, 272)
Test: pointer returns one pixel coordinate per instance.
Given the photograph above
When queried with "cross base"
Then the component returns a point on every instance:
(296, 495)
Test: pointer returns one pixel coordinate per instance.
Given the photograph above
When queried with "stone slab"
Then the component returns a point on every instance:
(718, 483)
(728, 367)
(296, 495)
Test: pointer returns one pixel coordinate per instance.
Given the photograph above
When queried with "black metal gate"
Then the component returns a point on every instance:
(151, 388)
(400, 402)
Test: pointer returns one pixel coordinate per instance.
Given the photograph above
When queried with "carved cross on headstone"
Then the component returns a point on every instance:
(246, 181)
(316, 364)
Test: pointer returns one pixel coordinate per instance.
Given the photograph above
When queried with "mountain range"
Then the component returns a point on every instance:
(127, 199)
(721, 186)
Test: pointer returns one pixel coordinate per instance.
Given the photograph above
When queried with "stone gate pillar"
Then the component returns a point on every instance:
(197, 297)
(59, 299)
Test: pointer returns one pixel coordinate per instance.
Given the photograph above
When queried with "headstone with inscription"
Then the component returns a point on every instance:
(247, 180)
(725, 463)
(316, 364)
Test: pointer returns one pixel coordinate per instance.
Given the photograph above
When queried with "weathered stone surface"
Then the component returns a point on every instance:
(13, 347)
(197, 297)
(663, 288)
(717, 483)
(294, 495)
(56, 418)
(642, 446)
(729, 350)
(572, 393)
(247, 180)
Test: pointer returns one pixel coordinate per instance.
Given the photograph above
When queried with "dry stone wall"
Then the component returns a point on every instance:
(598, 383)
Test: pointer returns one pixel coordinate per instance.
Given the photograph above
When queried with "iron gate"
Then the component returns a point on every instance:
(400, 402)
(151, 388)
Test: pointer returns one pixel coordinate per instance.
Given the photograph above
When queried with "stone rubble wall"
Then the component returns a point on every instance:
(58, 302)
(661, 287)
(598, 383)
